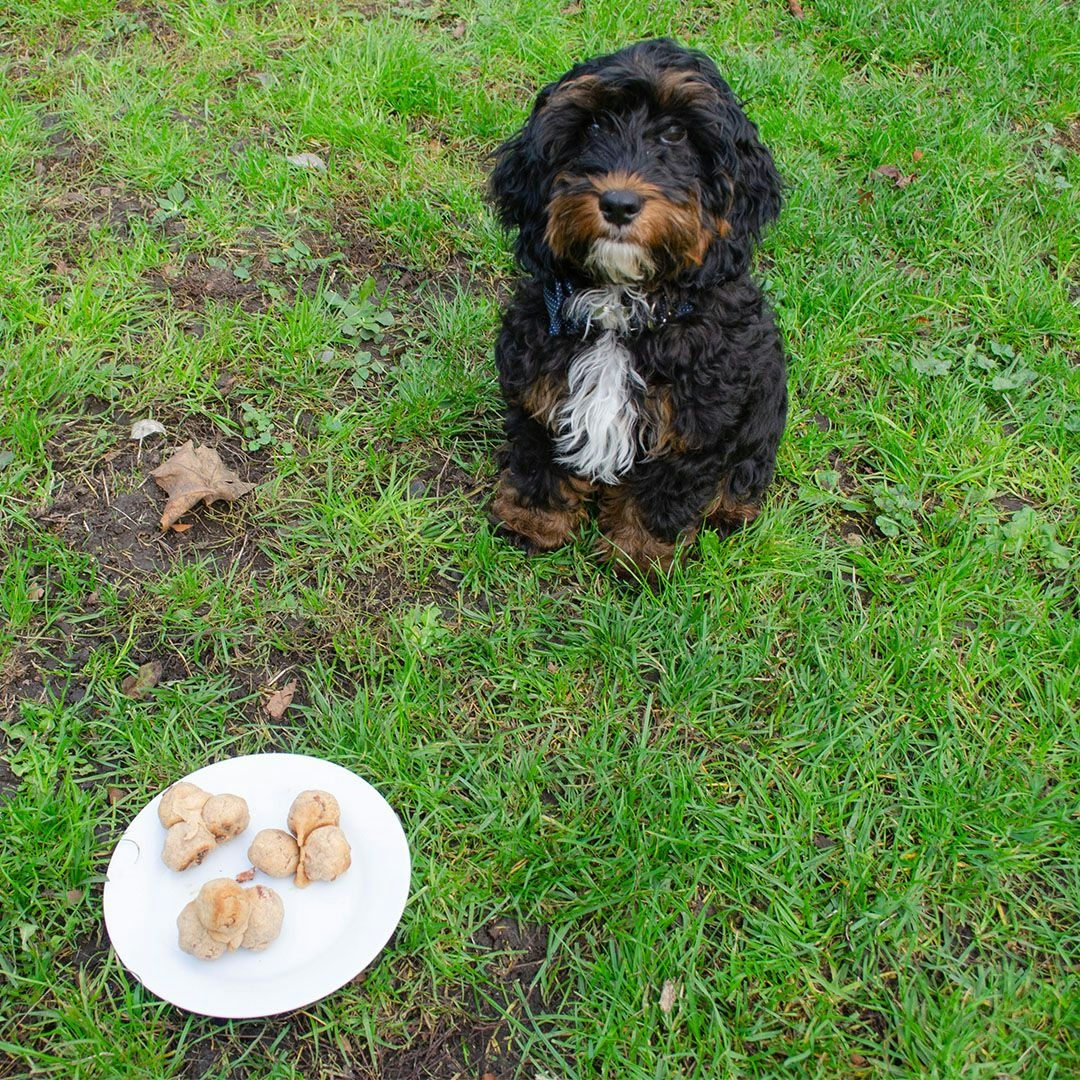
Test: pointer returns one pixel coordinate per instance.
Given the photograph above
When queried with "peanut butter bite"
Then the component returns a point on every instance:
(325, 856)
(267, 916)
(311, 810)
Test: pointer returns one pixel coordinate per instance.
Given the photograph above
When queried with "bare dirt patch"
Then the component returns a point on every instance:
(471, 1036)
(108, 507)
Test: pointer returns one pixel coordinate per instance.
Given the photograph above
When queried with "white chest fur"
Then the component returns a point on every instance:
(597, 426)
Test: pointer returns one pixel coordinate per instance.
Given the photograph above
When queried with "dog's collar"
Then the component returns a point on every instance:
(558, 290)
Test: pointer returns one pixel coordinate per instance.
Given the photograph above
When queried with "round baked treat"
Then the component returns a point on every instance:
(325, 856)
(181, 802)
(267, 915)
(224, 908)
(225, 816)
(274, 852)
(193, 936)
(311, 810)
(187, 844)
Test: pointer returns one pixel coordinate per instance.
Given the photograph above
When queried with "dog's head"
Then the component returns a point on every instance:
(637, 168)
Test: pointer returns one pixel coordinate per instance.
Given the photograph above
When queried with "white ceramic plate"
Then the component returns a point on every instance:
(332, 930)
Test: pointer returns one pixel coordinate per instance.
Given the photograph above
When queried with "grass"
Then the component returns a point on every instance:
(807, 809)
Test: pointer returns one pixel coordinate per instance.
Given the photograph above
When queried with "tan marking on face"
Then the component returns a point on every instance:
(575, 221)
(582, 91)
(673, 228)
(676, 90)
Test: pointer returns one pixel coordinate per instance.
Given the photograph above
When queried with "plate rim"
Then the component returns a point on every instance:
(268, 1000)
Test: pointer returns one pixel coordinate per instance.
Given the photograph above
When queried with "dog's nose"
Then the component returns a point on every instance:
(620, 205)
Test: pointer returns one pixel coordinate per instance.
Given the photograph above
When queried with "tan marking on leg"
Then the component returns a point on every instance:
(726, 513)
(544, 528)
(627, 543)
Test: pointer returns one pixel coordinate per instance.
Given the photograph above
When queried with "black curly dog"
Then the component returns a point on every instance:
(639, 362)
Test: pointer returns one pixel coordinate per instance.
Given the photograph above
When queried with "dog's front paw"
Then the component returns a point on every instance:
(533, 528)
(519, 540)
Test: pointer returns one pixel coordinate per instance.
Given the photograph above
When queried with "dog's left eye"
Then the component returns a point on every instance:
(673, 134)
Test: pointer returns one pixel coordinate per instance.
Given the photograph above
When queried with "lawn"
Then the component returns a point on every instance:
(809, 808)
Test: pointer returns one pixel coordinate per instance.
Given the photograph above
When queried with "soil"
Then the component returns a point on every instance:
(106, 507)
(472, 1039)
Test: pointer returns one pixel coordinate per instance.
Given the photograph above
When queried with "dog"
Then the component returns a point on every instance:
(639, 363)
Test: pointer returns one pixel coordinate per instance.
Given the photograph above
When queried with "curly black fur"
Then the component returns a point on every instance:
(638, 175)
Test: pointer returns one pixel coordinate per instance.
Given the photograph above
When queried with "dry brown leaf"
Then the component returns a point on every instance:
(280, 700)
(459, 30)
(796, 9)
(917, 155)
(897, 176)
(114, 795)
(192, 475)
(145, 679)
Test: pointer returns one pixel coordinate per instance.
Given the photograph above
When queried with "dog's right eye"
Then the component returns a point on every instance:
(673, 134)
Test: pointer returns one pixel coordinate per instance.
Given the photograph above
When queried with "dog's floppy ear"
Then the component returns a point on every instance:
(743, 188)
(518, 186)
(758, 189)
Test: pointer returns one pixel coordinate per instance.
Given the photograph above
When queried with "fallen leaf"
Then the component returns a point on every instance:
(192, 475)
(795, 8)
(897, 176)
(143, 428)
(145, 679)
(669, 993)
(459, 30)
(865, 197)
(245, 875)
(307, 161)
(74, 896)
(280, 700)
(917, 155)
(114, 795)
(35, 593)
